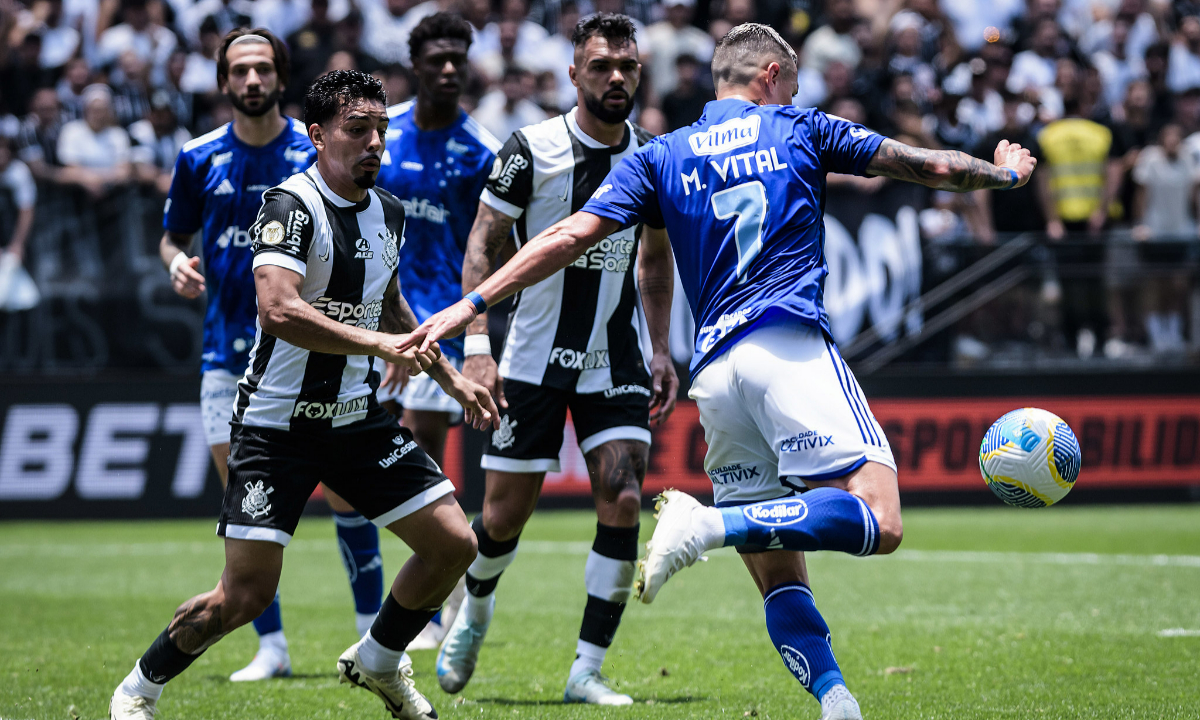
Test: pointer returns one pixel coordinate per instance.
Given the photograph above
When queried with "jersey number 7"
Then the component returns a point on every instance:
(749, 203)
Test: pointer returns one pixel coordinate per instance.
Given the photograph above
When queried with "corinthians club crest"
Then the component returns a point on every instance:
(502, 438)
(391, 251)
(255, 503)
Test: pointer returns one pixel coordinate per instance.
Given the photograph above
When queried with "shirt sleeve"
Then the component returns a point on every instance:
(283, 233)
(628, 195)
(843, 146)
(510, 184)
(183, 213)
(20, 181)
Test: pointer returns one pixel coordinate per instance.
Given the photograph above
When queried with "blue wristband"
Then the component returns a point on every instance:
(1015, 179)
(477, 300)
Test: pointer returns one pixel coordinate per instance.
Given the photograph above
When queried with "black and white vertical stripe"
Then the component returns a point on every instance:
(578, 329)
(346, 271)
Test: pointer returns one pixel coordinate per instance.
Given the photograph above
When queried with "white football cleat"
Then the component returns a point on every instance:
(269, 662)
(124, 706)
(677, 543)
(396, 689)
(460, 651)
(839, 704)
(591, 687)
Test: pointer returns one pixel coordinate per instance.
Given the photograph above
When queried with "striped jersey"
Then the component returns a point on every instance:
(577, 329)
(437, 175)
(217, 187)
(347, 253)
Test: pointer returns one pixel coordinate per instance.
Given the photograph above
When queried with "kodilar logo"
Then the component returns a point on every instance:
(778, 513)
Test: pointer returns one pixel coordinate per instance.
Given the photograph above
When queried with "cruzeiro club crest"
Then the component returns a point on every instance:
(797, 663)
(502, 438)
(391, 254)
(255, 503)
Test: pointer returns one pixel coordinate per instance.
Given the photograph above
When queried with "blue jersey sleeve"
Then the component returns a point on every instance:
(629, 194)
(843, 146)
(184, 213)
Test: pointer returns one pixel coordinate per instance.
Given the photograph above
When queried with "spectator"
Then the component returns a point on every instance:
(1155, 62)
(1037, 68)
(76, 77)
(151, 42)
(971, 18)
(1166, 179)
(60, 41)
(311, 46)
(94, 151)
(225, 15)
(509, 109)
(348, 33)
(510, 39)
(200, 70)
(833, 42)
(1130, 134)
(131, 95)
(390, 22)
(17, 182)
(685, 103)
(982, 107)
(673, 37)
(1018, 210)
(20, 73)
(1117, 67)
(1184, 66)
(1074, 174)
(37, 145)
(157, 139)
(906, 58)
(559, 55)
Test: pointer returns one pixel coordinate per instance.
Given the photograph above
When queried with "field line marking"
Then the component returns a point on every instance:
(556, 547)
(1178, 632)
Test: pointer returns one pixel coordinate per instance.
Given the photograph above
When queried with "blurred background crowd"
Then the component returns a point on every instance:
(98, 96)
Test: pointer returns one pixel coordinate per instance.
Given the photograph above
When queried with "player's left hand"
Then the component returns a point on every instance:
(443, 324)
(664, 384)
(479, 410)
(1012, 155)
(395, 378)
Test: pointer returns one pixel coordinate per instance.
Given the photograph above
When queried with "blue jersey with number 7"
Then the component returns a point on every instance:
(742, 194)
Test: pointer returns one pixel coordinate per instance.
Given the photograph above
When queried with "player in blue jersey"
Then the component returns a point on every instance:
(436, 162)
(797, 460)
(217, 189)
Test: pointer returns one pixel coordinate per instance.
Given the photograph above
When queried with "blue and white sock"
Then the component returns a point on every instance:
(358, 540)
(802, 638)
(821, 519)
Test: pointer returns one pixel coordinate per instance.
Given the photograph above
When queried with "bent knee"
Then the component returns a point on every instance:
(456, 552)
(248, 600)
(891, 532)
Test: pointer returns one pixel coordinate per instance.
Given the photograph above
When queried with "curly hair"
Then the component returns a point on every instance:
(437, 26)
(335, 90)
(617, 29)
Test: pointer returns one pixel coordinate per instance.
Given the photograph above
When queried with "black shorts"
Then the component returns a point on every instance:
(380, 471)
(531, 429)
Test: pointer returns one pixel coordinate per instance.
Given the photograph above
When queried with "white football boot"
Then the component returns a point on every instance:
(124, 706)
(434, 632)
(269, 662)
(680, 539)
(460, 650)
(591, 687)
(839, 704)
(396, 689)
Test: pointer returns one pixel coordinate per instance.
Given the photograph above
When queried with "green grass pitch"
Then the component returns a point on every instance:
(985, 613)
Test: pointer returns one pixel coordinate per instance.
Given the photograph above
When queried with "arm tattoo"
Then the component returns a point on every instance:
(397, 316)
(196, 625)
(488, 235)
(939, 169)
(617, 466)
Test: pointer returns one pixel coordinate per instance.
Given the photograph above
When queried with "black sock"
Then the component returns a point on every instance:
(396, 626)
(164, 660)
(609, 575)
(489, 549)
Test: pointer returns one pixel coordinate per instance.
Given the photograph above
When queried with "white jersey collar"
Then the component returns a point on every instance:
(588, 140)
(338, 201)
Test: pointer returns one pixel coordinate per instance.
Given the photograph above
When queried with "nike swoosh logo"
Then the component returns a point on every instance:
(566, 189)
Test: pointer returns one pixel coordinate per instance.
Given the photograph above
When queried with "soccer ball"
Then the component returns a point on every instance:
(1030, 458)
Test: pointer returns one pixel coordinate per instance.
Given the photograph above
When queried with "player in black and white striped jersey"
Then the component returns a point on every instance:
(573, 344)
(326, 247)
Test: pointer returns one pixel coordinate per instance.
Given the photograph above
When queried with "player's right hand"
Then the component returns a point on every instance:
(482, 369)
(187, 280)
(1012, 155)
(395, 378)
(414, 359)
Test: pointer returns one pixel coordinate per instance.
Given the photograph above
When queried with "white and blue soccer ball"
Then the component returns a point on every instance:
(1030, 458)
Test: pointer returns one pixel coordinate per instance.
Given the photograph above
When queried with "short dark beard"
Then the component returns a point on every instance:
(366, 181)
(596, 106)
(269, 103)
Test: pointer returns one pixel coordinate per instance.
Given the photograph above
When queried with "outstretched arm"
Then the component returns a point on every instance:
(489, 233)
(555, 248)
(951, 169)
(656, 283)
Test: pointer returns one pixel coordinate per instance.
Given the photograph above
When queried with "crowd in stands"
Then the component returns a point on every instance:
(97, 96)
